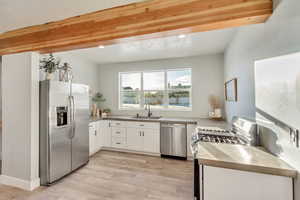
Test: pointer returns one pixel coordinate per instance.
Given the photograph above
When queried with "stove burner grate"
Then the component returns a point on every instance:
(215, 138)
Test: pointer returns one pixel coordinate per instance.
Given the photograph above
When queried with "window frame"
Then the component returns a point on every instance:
(165, 91)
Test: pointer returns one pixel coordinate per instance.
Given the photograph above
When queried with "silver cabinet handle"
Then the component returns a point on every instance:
(143, 134)
(95, 133)
(118, 132)
(118, 143)
(118, 124)
(142, 125)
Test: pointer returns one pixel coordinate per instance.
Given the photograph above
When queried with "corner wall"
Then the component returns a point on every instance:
(20, 98)
(0, 110)
(278, 36)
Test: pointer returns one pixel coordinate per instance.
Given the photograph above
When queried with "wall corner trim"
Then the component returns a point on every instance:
(19, 183)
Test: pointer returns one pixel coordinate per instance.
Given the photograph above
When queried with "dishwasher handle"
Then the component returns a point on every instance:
(167, 125)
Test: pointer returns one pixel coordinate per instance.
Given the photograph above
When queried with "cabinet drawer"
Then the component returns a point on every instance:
(118, 132)
(152, 125)
(114, 123)
(92, 125)
(118, 142)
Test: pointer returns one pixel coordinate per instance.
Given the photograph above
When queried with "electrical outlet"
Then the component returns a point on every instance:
(294, 137)
(297, 138)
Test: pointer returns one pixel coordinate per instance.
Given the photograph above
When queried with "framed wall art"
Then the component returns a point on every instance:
(231, 90)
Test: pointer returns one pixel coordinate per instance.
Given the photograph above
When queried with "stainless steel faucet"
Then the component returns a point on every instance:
(147, 107)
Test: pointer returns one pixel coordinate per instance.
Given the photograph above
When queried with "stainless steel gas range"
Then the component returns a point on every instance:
(243, 132)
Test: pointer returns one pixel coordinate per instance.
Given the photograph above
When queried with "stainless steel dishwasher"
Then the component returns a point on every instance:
(173, 140)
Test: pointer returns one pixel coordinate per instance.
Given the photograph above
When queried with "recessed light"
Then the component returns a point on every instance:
(181, 36)
(101, 47)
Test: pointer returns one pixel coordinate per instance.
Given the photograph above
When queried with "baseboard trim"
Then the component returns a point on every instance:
(129, 151)
(19, 183)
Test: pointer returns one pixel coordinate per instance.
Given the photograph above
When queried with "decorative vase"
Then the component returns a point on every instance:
(94, 110)
(211, 114)
(97, 113)
(218, 113)
(65, 73)
(49, 76)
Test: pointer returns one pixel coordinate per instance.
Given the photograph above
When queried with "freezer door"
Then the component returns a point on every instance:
(59, 130)
(81, 113)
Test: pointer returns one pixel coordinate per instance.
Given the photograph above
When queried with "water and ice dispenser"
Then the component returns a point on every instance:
(62, 116)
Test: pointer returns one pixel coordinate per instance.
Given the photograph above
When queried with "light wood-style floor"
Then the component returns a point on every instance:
(117, 176)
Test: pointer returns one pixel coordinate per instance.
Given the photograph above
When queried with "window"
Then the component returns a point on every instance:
(179, 88)
(130, 91)
(164, 89)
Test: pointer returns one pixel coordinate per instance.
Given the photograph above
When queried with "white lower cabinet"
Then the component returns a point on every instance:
(93, 138)
(135, 140)
(99, 135)
(151, 142)
(228, 184)
(106, 133)
(118, 142)
(134, 136)
(144, 140)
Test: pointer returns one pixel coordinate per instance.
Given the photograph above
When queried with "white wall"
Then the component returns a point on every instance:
(0, 108)
(20, 90)
(279, 36)
(84, 71)
(207, 79)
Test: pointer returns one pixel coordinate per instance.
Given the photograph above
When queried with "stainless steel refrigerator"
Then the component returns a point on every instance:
(64, 138)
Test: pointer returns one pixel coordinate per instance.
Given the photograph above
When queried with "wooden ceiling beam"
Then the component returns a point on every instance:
(150, 19)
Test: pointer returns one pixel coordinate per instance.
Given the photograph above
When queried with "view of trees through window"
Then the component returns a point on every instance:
(165, 89)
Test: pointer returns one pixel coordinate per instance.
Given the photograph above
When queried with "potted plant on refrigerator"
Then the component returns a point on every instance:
(49, 65)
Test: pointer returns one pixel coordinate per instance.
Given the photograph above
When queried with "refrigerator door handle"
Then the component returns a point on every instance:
(73, 113)
(71, 116)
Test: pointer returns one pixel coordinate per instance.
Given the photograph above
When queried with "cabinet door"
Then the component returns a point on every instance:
(134, 139)
(92, 138)
(105, 130)
(151, 140)
(228, 184)
(99, 136)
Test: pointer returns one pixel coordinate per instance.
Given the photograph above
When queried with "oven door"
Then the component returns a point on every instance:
(198, 181)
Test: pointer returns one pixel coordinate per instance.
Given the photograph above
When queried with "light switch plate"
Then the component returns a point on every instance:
(294, 138)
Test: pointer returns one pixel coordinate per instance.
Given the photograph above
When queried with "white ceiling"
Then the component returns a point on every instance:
(203, 43)
(16, 14)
